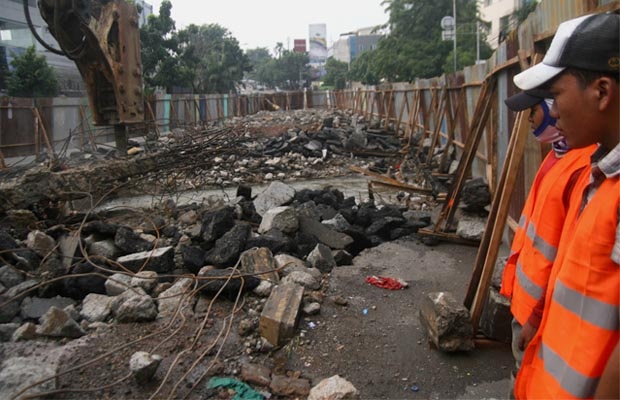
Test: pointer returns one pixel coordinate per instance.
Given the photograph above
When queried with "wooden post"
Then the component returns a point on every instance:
(44, 132)
(90, 133)
(478, 288)
(451, 130)
(477, 291)
(388, 111)
(148, 105)
(441, 107)
(2, 163)
(404, 104)
(473, 139)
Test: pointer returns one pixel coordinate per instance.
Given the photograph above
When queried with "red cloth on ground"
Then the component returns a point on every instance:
(384, 282)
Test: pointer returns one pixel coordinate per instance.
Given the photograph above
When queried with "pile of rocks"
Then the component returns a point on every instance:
(63, 282)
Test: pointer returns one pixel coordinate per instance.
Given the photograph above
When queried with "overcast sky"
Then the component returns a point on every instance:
(263, 23)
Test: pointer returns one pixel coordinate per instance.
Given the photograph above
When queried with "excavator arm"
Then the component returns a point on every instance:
(103, 39)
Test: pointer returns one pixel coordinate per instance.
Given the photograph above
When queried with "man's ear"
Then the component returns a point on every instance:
(606, 89)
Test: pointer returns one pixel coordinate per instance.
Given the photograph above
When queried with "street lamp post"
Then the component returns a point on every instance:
(454, 43)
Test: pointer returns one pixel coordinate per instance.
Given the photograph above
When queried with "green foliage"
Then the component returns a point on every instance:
(214, 57)
(289, 71)
(205, 58)
(414, 48)
(336, 73)
(31, 76)
(362, 70)
(160, 50)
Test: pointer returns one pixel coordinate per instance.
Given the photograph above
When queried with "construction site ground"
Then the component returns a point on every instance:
(372, 337)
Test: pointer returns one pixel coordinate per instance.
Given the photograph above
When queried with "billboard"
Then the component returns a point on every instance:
(318, 43)
(299, 45)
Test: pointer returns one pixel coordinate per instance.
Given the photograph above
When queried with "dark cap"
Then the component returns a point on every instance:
(527, 99)
(591, 42)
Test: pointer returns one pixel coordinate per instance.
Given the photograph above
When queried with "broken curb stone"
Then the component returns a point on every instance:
(447, 322)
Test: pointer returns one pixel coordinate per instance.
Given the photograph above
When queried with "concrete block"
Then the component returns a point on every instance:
(496, 317)
(280, 314)
(447, 322)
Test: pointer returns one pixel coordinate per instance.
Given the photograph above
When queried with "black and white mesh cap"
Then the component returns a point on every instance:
(591, 42)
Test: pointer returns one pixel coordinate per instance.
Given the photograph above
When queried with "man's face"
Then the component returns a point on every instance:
(536, 116)
(574, 112)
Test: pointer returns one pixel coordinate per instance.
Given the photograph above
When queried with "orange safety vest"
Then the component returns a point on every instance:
(580, 325)
(534, 247)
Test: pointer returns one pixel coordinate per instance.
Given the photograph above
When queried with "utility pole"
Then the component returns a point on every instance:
(454, 44)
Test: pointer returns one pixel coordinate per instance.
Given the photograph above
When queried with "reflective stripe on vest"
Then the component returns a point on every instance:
(572, 381)
(546, 249)
(581, 319)
(534, 247)
(603, 315)
(527, 284)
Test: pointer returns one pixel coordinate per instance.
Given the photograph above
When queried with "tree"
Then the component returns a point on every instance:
(31, 76)
(287, 72)
(414, 48)
(160, 50)
(362, 70)
(214, 57)
(336, 73)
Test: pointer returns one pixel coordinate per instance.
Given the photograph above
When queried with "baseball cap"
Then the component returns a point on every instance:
(526, 99)
(591, 42)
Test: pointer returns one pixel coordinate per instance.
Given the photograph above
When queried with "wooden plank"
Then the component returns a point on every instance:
(388, 181)
(486, 258)
(473, 139)
(487, 252)
(439, 116)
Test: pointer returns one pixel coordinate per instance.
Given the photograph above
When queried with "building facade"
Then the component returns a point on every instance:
(352, 44)
(499, 13)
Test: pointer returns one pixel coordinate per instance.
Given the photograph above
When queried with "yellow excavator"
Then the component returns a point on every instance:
(103, 39)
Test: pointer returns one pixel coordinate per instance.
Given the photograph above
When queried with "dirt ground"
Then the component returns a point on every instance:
(383, 352)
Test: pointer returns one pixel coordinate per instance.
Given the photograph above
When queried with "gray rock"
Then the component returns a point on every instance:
(57, 323)
(312, 308)
(40, 243)
(447, 322)
(134, 305)
(277, 194)
(281, 218)
(96, 307)
(263, 289)
(471, 227)
(259, 262)
(105, 248)
(498, 272)
(130, 242)
(145, 279)
(321, 258)
(6, 331)
(216, 223)
(159, 260)
(333, 388)
(143, 366)
(117, 284)
(337, 223)
(287, 263)
(227, 249)
(324, 234)
(10, 276)
(35, 307)
(68, 245)
(496, 318)
(27, 331)
(20, 372)
(178, 294)
(342, 257)
(302, 278)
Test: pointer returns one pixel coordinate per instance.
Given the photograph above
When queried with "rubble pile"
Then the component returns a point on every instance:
(67, 281)
(293, 145)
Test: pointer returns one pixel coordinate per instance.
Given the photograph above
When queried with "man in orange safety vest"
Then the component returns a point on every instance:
(574, 353)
